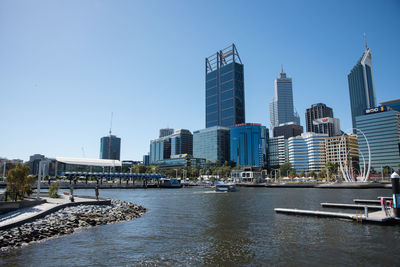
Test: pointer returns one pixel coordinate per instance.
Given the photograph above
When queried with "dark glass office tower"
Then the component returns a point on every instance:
(224, 89)
(361, 86)
(110, 147)
(317, 111)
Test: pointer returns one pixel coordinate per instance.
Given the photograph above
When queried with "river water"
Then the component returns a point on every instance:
(196, 226)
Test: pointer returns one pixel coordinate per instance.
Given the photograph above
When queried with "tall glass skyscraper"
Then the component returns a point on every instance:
(110, 147)
(281, 107)
(361, 86)
(224, 88)
(248, 144)
(212, 144)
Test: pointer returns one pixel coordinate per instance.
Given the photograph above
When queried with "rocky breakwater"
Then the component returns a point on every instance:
(67, 220)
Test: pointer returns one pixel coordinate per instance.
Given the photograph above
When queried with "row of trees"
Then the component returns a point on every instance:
(329, 171)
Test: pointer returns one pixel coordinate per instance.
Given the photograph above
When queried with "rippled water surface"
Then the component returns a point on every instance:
(195, 226)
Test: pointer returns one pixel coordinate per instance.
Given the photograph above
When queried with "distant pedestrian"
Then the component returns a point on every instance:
(96, 189)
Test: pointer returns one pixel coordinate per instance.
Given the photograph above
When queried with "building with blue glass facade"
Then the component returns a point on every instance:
(224, 88)
(212, 144)
(160, 149)
(278, 151)
(110, 147)
(306, 152)
(248, 144)
(381, 126)
(361, 86)
(393, 104)
(181, 142)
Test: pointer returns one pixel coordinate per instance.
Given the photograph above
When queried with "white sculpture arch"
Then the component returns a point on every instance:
(346, 170)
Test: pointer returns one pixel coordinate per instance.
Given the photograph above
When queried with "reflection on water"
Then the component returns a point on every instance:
(198, 226)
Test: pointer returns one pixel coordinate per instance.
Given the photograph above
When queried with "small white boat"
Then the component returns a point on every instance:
(225, 187)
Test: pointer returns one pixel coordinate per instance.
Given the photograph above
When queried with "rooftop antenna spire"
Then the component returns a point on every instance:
(111, 123)
(365, 41)
(281, 68)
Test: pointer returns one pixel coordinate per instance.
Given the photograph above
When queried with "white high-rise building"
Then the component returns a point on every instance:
(281, 107)
(306, 151)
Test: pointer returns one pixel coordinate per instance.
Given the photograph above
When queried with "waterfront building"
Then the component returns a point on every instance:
(181, 161)
(225, 105)
(146, 160)
(361, 86)
(60, 165)
(348, 152)
(165, 132)
(281, 107)
(289, 129)
(381, 126)
(393, 104)
(110, 147)
(33, 163)
(212, 144)
(317, 111)
(306, 151)
(160, 149)
(248, 144)
(181, 142)
(278, 151)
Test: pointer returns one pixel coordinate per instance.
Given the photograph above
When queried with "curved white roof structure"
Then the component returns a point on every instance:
(90, 162)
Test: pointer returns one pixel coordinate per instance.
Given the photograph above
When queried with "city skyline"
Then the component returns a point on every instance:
(62, 78)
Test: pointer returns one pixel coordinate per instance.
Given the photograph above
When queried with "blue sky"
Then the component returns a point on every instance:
(66, 65)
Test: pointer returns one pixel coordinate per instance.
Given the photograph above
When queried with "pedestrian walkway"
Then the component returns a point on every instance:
(21, 216)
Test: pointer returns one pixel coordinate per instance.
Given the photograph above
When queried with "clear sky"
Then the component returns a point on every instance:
(66, 65)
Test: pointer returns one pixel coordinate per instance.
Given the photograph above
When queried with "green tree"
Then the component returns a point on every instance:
(322, 174)
(53, 190)
(312, 174)
(332, 167)
(292, 172)
(285, 168)
(140, 169)
(18, 181)
(302, 173)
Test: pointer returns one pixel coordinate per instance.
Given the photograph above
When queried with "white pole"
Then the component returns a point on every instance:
(4, 168)
(38, 182)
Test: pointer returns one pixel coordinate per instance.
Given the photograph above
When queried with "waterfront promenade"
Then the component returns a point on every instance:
(21, 216)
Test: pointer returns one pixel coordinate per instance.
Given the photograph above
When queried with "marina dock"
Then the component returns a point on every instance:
(373, 217)
(350, 206)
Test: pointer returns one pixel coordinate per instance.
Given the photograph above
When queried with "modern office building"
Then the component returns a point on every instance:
(212, 144)
(381, 126)
(393, 104)
(278, 151)
(342, 148)
(146, 160)
(281, 107)
(165, 132)
(306, 152)
(182, 161)
(328, 125)
(160, 149)
(288, 130)
(317, 111)
(110, 147)
(181, 142)
(248, 144)
(224, 88)
(361, 86)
